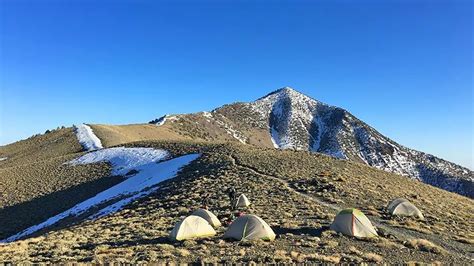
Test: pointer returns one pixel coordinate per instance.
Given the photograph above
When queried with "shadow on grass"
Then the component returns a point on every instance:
(128, 243)
(311, 231)
(16, 218)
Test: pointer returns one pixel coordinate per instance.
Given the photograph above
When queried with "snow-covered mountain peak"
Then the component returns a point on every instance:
(290, 115)
(286, 99)
(297, 121)
(287, 93)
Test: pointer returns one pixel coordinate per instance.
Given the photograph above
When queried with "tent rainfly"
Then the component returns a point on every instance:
(353, 222)
(249, 227)
(208, 216)
(242, 201)
(402, 207)
(191, 227)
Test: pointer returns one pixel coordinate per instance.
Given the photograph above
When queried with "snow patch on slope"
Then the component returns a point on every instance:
(228, 128)
(87, 138)
(290, 115)
(161, 121)
(336, 154)
(274, 137)
(142, 183)
(394, 160)
(317, 140)
(3, 158)
(122, 159)
(207, 114)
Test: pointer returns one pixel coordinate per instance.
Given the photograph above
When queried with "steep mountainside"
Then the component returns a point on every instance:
(287, 119)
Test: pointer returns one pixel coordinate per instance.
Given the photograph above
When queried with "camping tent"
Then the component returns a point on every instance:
(402, 207)
(191, 227)
(353, 222)
(208, 216)
(249, 227)
(242, 201)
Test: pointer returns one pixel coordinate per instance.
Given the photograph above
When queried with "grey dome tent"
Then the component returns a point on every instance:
(242, 201)
(191, 227)
(403, 207)
(208, 216)
(249, 227)
(353, 222)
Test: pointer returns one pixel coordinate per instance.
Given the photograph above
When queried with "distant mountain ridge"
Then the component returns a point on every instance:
(293, 120)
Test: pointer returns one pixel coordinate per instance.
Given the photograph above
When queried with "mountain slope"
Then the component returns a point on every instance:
(296, 121)
(308, 190)
(284, 119)
(39, 183)
(53, 144)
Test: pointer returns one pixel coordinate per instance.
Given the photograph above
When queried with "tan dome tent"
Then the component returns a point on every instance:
(191, 227)
(402, 207)
(353, 222)
(242, 201)
(249, 227)
(208, 216)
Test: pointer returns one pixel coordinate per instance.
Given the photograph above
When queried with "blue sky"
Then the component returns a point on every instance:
(404, 67)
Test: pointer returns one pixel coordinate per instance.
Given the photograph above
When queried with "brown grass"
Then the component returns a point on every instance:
(186, 127)
(415, 226)
(111, 135)
(55, 144)
(379, 187)
(139, 232)
(425, 245)
(324, 258)
(372, 257)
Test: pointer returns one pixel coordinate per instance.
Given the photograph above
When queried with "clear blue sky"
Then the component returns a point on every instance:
(404, 67)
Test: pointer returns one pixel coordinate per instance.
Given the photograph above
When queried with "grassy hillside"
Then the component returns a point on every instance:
(40, 147)
(216, 127)
(35, 184)
(297, 193)
(111, 135)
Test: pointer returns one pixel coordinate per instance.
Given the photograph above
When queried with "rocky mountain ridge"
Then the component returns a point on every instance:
(293, 120)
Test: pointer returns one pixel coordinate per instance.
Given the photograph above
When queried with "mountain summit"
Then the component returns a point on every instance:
(293, 120)
(296, 121)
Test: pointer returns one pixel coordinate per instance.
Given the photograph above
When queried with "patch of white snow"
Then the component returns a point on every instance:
(317, 141)
(230, 130)
(87, 138)
(207, 114)
(274, 137)
(122, 159)
(143, 183)
(161, 121)
(337, 154)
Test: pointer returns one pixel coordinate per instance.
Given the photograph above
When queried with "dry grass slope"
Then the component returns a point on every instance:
(35, 184)
(111, 135)
(41, 147)
(197, 127)
(287, 190)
